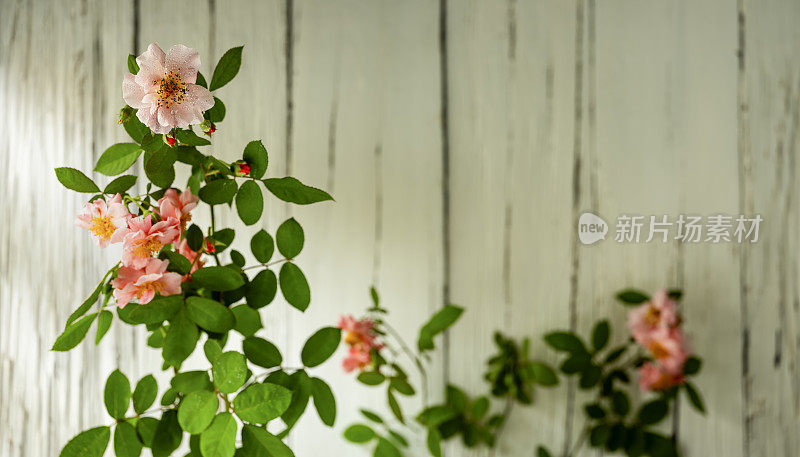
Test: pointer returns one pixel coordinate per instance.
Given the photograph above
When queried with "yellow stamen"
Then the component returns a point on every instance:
(102, 227)
(155, 286)
(658, 350)
(653, 316)
(171, 90)
(147, 247)
(352, 338)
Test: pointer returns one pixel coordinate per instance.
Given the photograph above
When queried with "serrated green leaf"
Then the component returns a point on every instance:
(87, 304)
(181, 339)
(144, 394)
(73, 334)
(291, 190)
(136, 129)
(218, 192)
(218, 278)
(103, 324)
(190, 381)
(290, 238)
(117, 394)
(249, 203)
(260, 403)
(133, 66)
(259, 442)
(248, 321)
(126, 442)
(190, 138)
(217, 112)
(294, 286)
(118, 158)
(262, 246)
(219, 440)
(229, 371)
(197, 410)
(156, 311)
(120, 185)
(227, 68)
(160, 167)
(91, 443)
(255, 154)
(210, 314)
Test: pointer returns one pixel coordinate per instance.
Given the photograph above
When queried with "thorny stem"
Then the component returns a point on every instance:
(414, 358)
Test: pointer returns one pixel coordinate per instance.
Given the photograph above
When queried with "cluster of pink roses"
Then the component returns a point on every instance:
(655, 325)
(362, 340)
(142, 275)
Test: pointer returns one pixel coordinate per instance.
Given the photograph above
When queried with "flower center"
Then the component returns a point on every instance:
(155, 286)
(184, 219)
(171, 90)
(352, 338)
(146, 247)
(653, 316)
(103, 227)
(658, 350)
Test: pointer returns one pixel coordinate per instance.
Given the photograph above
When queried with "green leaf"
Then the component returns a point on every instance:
(75, 180)
(248, 321)
(169, 397)
(249, 203)
(197, 410)
(136, 129)
(566, 342)
(201, 80)
(371, 378)
(437, 324)
(359, 433)
(300, 384)
(324, 401)
(190, 138)
(675, 294)
(117, 394)
(210, 314)
(126, 442)
(620, 403)
(260, 403)
(291, 190)
(223, 238)
(181, 339)
(227, 68)
(217, 112)
(290, 238)
(262, 246)
(692, 366)
(632, 297)
(73, 334)
(600, 335)
(156, 311)
(218, 278)
(542, 452)
(133, 67)
(144, 394)
(91, 443)
(229, 372)
(590, 377)
(190, 381)
(255, 154)
(177, 262)
(118, 158)
(371, 416)
(212, 350)
(694, 397)
(395, 406)
(219, 440)
(262, 289)
(146, 429)
(320, 346)
(103, 324)
(576, 364)
(401, 386)
(259, 442)
(218, 191)
(120, 185)
(261, 352)
(543, 374)
(385, 448)
(194, 237)
(653, 412)
(294, 286)
(160, 167)
(434, 442)
(87, 304)
(595, 411)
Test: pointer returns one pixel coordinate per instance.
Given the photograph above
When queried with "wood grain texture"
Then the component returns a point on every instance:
(461, 139)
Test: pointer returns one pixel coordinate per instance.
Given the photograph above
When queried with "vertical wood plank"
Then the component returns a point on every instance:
(511, 83)
(366, 127)
(769, 114)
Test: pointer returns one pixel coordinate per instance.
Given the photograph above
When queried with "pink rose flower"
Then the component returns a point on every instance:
(144, 283)
(177, 206)
(668, 347)
(652, 377)
(164, 91)
(184, 250)
(651, 317)
(143, 239)
(104, 218)
(361, 338)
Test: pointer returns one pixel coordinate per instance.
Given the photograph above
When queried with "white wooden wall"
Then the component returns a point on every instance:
(461, 139)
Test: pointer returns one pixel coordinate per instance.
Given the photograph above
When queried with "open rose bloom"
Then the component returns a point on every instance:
(143, 239)
(361, 338)
(164, 91)
(144, 283)
(655, 326)
(177, 205)
(104, 219)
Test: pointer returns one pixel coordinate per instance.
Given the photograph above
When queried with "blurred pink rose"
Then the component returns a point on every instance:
(143, 239)
(104, 218)
(668, 347)
(178, 206)
(651, 317)
(361, 338)
(164, 91)
(653, 377)
(144, 283)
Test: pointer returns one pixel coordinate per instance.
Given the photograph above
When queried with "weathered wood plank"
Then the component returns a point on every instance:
(769, 117)
(366, 111)
(511, 92)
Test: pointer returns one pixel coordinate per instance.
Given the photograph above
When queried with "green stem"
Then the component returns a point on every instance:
(268, 264)
(213, 231)
(415, 359)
